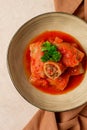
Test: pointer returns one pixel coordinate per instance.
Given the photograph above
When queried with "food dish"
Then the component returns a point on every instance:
(54, 62)
(47, 22)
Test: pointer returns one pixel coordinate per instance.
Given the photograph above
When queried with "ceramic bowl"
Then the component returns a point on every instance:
(49, 21)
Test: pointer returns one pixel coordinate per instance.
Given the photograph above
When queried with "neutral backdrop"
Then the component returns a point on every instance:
(15, 112)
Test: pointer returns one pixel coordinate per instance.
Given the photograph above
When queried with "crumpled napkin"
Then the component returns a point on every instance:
(75, 119)
(76, 7)
(70, 120)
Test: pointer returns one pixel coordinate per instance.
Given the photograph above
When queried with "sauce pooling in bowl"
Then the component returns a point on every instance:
(54, 62)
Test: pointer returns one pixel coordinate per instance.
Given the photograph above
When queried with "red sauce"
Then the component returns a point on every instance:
(74, 81)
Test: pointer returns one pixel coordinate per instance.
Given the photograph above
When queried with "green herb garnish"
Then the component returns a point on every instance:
(51, 52)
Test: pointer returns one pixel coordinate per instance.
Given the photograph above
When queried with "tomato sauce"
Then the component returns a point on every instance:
(74, 81)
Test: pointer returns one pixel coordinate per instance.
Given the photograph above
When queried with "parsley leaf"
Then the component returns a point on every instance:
(56, 56)
(50, 52)
(46, 46)
(45, 57)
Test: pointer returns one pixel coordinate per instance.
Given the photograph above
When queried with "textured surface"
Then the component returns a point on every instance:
(15, 112)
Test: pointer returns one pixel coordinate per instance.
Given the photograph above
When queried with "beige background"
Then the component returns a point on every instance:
(15, 112)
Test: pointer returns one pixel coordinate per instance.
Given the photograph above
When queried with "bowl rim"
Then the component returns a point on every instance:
(8, 64)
